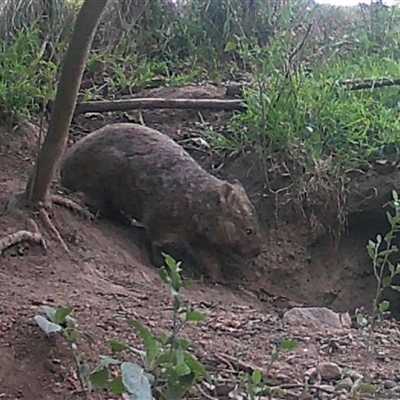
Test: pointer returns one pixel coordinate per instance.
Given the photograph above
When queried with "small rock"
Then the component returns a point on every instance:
(329, 371)
(346, 383)
(325, 392)
(313, 317)
(388, 384)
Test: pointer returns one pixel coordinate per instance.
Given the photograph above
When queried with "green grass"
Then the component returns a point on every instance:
(26, 79)
(314, 117)
(309, 117)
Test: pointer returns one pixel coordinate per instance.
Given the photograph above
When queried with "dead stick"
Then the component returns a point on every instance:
(158, 103)
(204, 104)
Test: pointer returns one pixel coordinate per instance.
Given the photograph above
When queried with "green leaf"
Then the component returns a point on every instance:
(371, 249)
(384, 306)
(99, 378)
(288, 344)
(230, 46)
(135, 381)
(386, 281)
(361, 320)
(116, 386)
(116, 346)
(71, 335)
(162, 272)
(61, 315)
(256, 377)
(46, 326)
(183, 343)
(105, 362)
(194, 316)
(49, 311)
(390, 219)
(174, 271)
(395, 287)
(196, 367)
(177, 389)
(391, 268)
(150, 343)
(182, 369)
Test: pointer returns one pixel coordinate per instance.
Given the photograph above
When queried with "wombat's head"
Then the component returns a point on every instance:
(238, 227)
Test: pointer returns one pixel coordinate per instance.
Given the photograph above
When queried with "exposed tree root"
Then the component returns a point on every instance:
(72, 205)
(33, 233)
(45, 218)
(22, 236)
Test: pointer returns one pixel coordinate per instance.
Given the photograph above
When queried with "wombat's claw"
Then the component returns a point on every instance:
(72, 205)
(22, 236)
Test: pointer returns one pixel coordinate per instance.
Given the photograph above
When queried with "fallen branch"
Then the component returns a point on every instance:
(158, 103)
(207, 104)
(369, 83)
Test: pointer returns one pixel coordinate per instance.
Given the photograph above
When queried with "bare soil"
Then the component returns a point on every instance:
(108, 278)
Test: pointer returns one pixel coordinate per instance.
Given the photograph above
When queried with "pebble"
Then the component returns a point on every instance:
(315, 317)
(329, 371)
(346, 383)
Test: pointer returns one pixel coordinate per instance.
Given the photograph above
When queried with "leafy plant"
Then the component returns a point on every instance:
(167, 365)
(26, 77)
(252, 386)
(384, 270)
(59, 321)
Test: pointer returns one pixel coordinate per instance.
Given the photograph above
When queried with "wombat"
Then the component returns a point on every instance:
(141, 172)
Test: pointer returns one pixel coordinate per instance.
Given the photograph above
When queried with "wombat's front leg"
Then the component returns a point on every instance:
(206, 257)
(170, 243)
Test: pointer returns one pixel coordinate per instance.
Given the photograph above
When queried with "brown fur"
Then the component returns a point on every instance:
(142, 172)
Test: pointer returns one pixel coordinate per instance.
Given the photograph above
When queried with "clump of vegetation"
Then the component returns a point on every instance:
(381, 252)
(26, 79)
(166, 367)
(298, 56)
(167, 363)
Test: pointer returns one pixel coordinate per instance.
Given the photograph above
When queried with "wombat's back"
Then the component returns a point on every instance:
(128, 166)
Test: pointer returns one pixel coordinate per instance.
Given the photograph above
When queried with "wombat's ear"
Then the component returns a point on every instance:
(227, 194)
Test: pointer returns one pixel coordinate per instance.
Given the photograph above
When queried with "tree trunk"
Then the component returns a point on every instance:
(63, 107)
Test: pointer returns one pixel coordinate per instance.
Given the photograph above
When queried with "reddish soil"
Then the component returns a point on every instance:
(107, 279)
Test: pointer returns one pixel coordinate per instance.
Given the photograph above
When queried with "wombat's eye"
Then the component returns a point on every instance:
(249, 231)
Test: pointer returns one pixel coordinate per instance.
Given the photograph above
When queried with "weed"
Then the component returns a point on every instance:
(60, 321)
(384, 270)
(252, 386)
(26, 79)
(167, 365)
